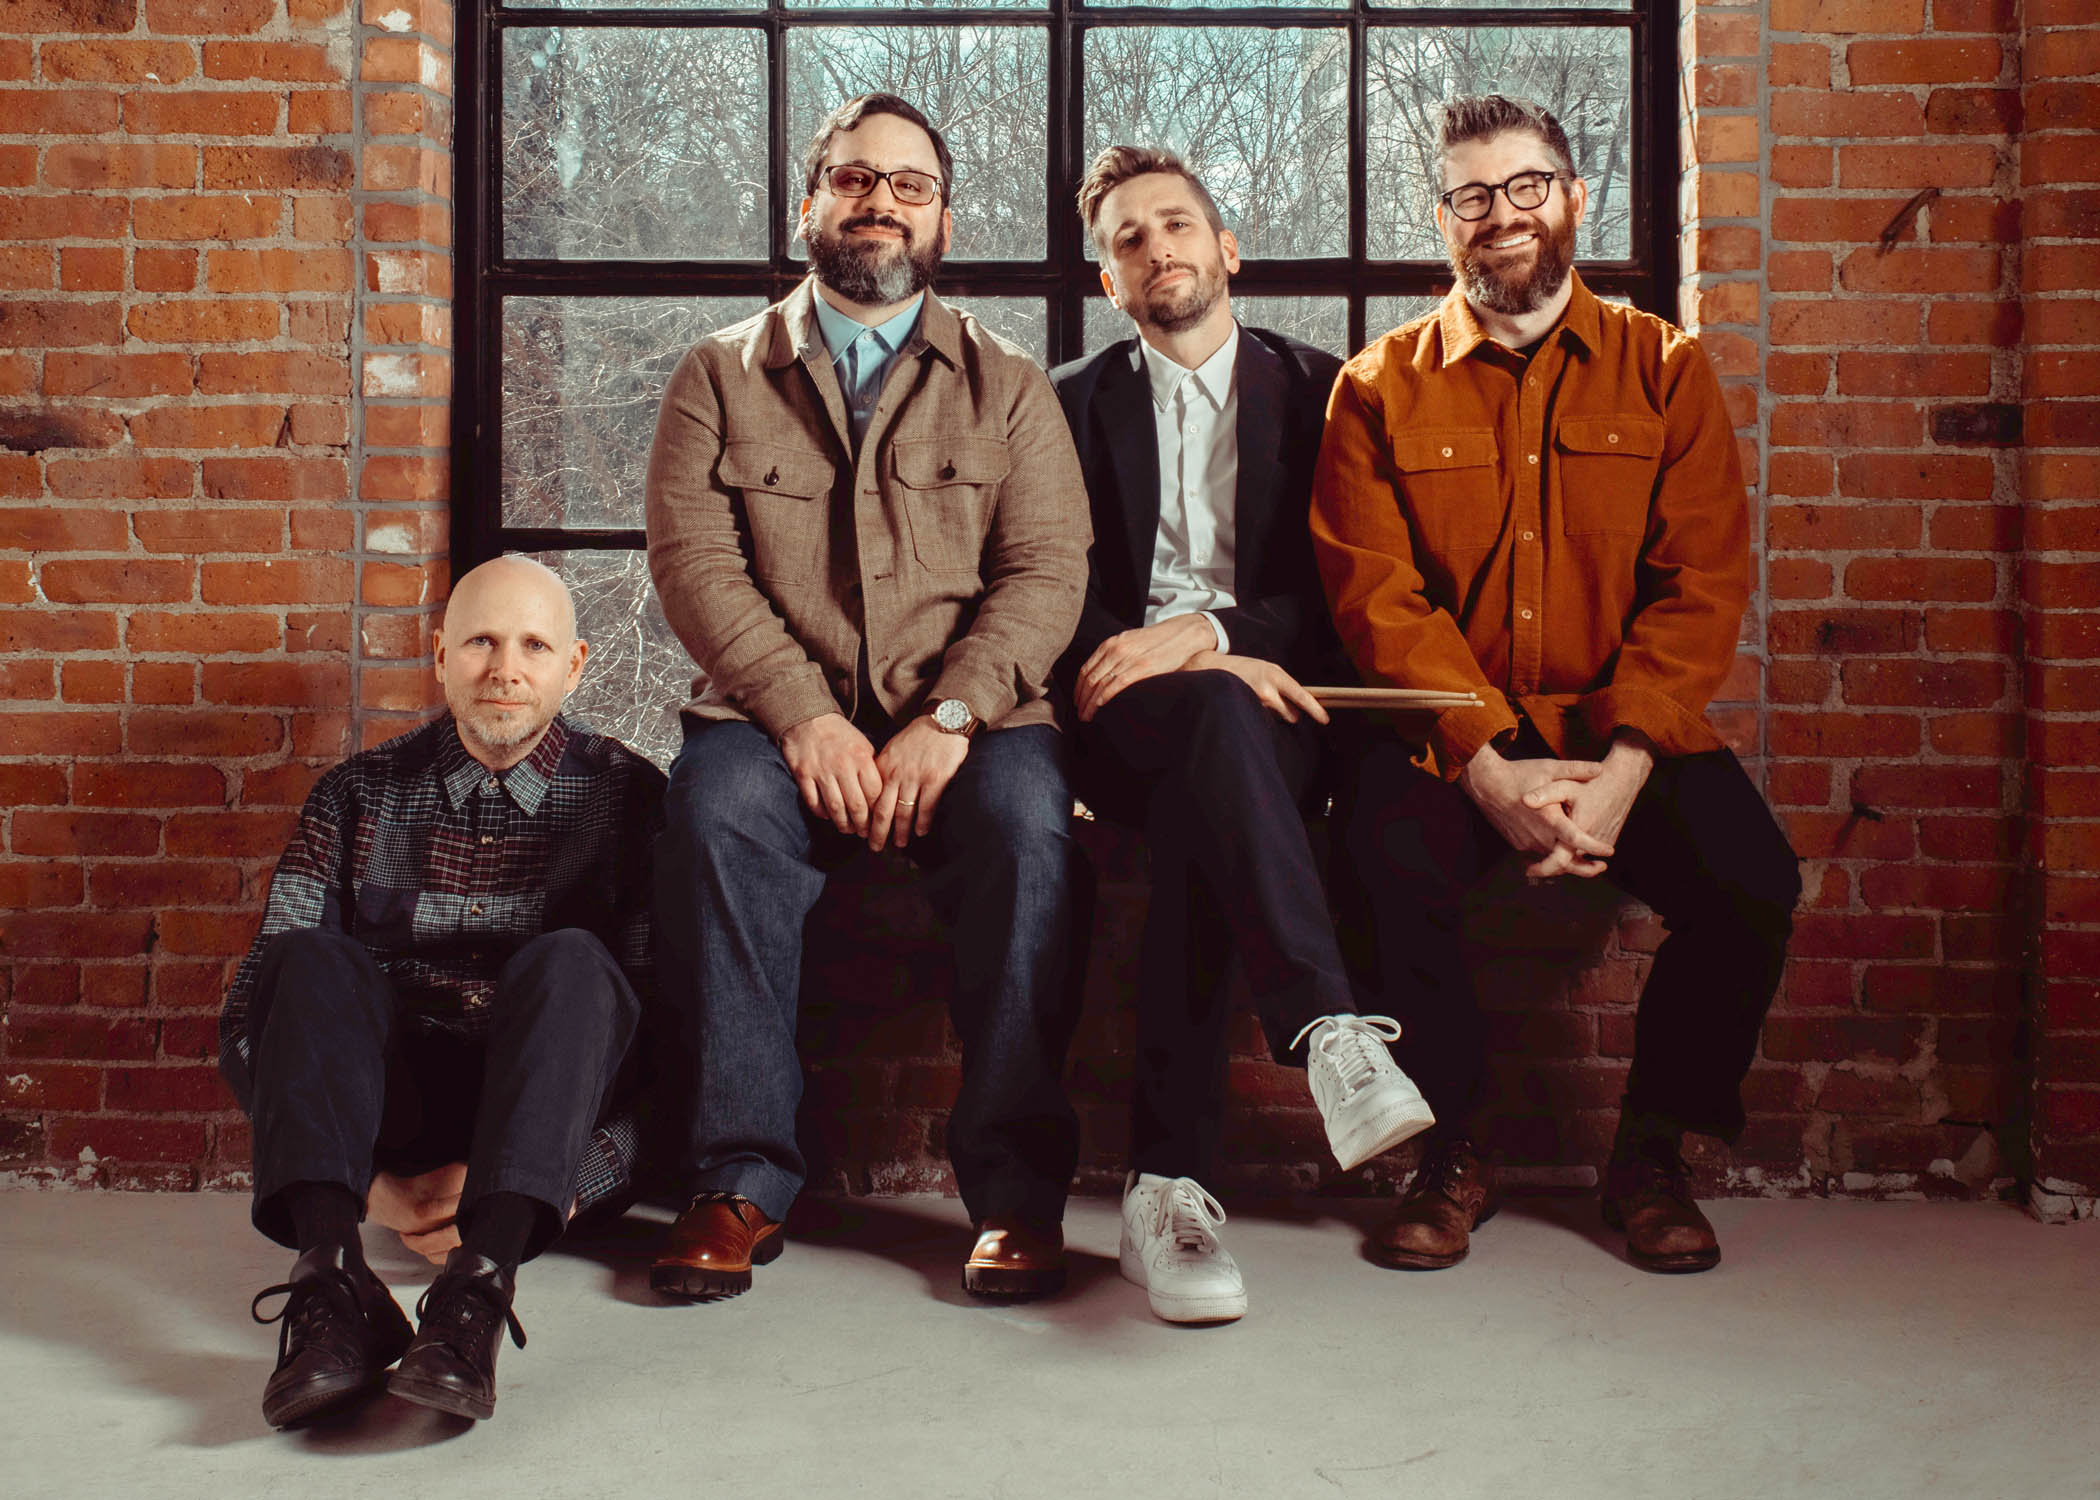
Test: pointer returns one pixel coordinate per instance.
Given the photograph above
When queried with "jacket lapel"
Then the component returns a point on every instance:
(1264, 411)
(1123, 407)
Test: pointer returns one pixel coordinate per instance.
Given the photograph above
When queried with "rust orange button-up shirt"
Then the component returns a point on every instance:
(1566, 536)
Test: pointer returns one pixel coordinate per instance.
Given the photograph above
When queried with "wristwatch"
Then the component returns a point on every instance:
(953, 716)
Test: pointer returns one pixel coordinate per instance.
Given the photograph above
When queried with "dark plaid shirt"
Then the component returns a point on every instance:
(443, 869)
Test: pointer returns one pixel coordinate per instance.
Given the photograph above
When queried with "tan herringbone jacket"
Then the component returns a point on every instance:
(955, 544)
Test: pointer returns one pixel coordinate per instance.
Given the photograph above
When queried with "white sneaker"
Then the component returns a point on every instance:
(1170, 1248)
(1370, 1106)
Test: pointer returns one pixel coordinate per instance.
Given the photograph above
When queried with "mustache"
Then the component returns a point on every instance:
(874, 220)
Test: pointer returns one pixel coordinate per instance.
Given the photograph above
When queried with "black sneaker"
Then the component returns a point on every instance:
(341, 1330)
(460, 1321)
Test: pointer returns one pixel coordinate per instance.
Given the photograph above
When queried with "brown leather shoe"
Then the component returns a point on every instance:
(1014, 1258)
(710, 1251)
(1452, 1195)
(1650, 1199)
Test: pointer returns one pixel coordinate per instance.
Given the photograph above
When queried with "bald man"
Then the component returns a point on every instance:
(436, 1010)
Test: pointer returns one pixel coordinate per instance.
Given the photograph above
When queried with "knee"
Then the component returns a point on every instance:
(312, 966)
(724, 784)
(572, 970)
(1222, 698)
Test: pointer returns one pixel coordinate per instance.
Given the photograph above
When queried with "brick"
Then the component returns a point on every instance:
(1935, 988)
(26, 268)
(91, 268)
(322, 530)
(31, 785)
(162, 883)
(2068, 53)
(297, 372)
(117, 375)
(1798, 578)
(1861, 374)
(286, 786)
(1923, 684)
(1838, 1038)
(1974, 218)
(2062, 106)
(1976, 528)
(320, 424)
(286, 167)
(1911, 166)
(393, 586)
(2063, 689)
(218, 426)
(1799, 271)
(1839, 322)
(71, 16)
(60, 111)
(1923, 579)
(168, 1090)
(1850, 835)
(24, 884)
(1843, 735)
(164, 270)
(274, 478)
(1828, 113)
(120, 478)
(1801, 166)
(1994, 112)
(191, 530)
(209, 17)
(231, 835)
(2054, 159)
(50, 1086)
(1798, 473)
(1936, 272)
(407, 375)
(202, 112)
(399, 477)
(121, 1139)
(406, 60)
(1798, 785)
(418, 169)
(1852, 632)
(320, 112)
(405, 273)
(55, 216)
(92, 166)
(1853, 424)
(1843, 528)
(167, 731)
(206, 932)
(116, 581)
(72, 934)
(51, 529)
(275, 582)
(1924, 60)
(289, 684)
(2049, 585)
(92, 682)
(289, 62)
(1906, 476)
(1819, 221)
(2062, 321)
(217, 217)
(216, 320)
(163, 682)
(80, 1036)
(321, 217)
(118, 61)
(1798, 65)
(177, 986)
(56, 325)
(280, 270)
(44, 629)
(1977, 734)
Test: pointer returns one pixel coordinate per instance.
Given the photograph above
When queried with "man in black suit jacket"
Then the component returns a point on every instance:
(1203, 612)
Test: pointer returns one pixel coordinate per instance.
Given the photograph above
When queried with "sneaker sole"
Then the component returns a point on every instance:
(1381, 1134)
(1214, 1307)
(440, 1398)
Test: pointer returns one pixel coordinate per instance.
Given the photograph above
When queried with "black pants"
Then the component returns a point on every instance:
(1699, 847)
(342, 1084)
(1217, 782)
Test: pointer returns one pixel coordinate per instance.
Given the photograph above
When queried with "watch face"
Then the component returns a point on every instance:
(952, 714)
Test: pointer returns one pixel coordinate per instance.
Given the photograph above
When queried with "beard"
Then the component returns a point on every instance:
(1514, 292)
(872, 273)
(1179, 309)
(502, 728)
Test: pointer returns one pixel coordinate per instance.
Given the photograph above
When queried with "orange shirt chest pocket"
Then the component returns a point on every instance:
(951, 492)
(1450, 491)
(785, 494)
(1605, 469)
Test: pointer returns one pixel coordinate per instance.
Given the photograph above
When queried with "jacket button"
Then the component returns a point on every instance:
(948, 470)
(773, 476)
(1611, 437)
(1447, 453)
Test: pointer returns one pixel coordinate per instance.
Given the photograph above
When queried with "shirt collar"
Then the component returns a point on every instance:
(1213, 378)
(1462, 333)
(525, 783)
(840, 331)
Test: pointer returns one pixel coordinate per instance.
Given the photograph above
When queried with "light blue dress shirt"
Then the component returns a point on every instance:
(862, 355)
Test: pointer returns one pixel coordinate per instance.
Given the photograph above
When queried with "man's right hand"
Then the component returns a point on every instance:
(1133, 655)
(834, 765)
(1498, 787)
(423, 1209)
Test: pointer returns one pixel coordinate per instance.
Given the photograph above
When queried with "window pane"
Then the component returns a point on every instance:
(1259, 114)
(1219, 4)
(1584, 74)
(605, 155)
(1322, 322)
(1383, 314)
(988, 89)
(934, 5)
(1018, 320)
(582, 377)
(638, 675)
(1502, 4)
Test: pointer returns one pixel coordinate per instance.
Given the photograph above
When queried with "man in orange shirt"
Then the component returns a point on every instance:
(1535, 496)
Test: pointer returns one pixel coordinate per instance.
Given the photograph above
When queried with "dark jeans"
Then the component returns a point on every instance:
(1218, 783)
(1699, 847)
(343, 1084)
(740, 865)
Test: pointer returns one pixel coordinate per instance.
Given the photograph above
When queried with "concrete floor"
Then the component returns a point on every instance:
(1856, 1350)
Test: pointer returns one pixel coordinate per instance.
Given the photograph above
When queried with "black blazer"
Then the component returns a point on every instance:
(1283, 387)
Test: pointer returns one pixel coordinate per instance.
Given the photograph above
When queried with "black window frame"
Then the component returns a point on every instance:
(1648, 276)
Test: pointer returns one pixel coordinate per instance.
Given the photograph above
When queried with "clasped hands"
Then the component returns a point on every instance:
(884, 798)
(423, 1210)
(1183, 643)
(1568, 812)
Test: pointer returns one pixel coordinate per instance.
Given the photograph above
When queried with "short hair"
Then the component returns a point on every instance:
(848, 117)
(1480, 117)
(1118, 164)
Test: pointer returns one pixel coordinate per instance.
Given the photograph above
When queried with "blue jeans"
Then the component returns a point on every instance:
(738, 869)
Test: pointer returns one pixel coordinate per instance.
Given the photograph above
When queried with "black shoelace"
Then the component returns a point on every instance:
(466, 1313)
(319, 1311)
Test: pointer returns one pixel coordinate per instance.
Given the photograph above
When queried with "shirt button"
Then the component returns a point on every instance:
(1531, 458)
(1611, 437)
(490, 785)
(1522, 614)
(1528, 536)
(475, 909)
(490, 838)
(1447, 453)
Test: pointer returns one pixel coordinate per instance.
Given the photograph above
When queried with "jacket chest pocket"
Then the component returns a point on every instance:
(785, 494)
(1607, 468)
(951, 489)
(1451, 486)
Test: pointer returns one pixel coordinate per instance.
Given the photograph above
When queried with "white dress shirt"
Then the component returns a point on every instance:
(1196, 413)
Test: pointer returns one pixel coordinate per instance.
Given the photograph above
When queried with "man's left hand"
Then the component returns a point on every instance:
(1133, 655)
(916, 765)
(423, 1210)
(1597, 806)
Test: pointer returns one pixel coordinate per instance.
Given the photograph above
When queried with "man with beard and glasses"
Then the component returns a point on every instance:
(867, 525)
(437, 1007)
(1203, 612)
(1535, 496)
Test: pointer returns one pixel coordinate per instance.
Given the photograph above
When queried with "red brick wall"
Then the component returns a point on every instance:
(223, 248)
(223, 380)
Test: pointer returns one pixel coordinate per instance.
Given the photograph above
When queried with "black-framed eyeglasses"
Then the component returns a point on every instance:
(1474, 200)
(907, 186)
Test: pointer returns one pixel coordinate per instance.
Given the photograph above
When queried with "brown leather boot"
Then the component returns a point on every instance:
(1453, 1193)
(1648, 1195)
(710, 1251)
